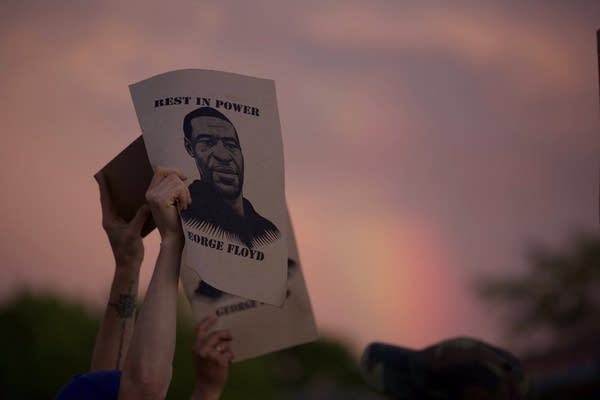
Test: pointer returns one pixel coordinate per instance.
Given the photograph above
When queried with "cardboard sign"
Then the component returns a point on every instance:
(128, 176)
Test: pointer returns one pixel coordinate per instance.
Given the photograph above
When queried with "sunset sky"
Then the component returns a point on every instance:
(426, 145)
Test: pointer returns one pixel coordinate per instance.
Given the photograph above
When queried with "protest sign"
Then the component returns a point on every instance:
(222, 131)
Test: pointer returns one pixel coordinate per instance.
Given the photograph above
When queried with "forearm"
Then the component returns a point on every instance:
(148, 365)
(117, 324)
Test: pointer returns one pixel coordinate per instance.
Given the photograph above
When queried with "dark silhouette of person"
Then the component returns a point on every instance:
(218, 206)
(460, 368)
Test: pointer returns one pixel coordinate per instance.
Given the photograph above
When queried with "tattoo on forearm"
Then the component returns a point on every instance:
(125, 307)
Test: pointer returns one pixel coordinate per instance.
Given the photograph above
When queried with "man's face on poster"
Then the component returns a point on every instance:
(215, 146)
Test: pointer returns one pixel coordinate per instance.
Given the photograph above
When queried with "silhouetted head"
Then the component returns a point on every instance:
(455, 369)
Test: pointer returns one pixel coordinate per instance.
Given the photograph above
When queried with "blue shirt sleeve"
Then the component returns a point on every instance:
(97, 385)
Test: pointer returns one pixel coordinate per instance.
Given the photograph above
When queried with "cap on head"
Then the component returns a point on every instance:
(389, 369)
(460, 368)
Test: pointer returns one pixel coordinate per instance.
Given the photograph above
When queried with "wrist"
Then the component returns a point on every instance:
(127, 266)
(127, 252)
(173, 240)
(124, 275)
(204, 393)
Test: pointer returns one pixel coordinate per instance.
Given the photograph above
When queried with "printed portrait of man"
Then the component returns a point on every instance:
(218, 206)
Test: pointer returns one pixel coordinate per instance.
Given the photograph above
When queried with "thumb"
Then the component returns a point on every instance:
(138, 221)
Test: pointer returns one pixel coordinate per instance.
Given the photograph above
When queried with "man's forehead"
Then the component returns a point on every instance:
(211, 125)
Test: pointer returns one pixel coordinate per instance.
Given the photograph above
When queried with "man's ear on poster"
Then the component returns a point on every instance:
(189, 147)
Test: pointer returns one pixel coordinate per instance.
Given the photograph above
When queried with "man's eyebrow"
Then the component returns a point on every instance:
(211, 135)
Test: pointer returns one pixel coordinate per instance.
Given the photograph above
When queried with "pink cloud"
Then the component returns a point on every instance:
(484, 38)
(422, 142)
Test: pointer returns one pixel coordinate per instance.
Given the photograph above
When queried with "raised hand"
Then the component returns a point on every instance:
(167, 194)
(148, 367)
(212, 357)
(125, 237)
(116, 327)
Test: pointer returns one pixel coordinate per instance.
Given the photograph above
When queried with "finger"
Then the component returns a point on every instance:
(166, 192)
(105, 197)
(177, 191)
(183, 196)
(210, 343)
(157, 177)
(188, 196)
(180, 174)
(223, 346)
(170, 183)
(161, 172)
(205, 325)
(221, 353)
(225, 358)
(140, 218)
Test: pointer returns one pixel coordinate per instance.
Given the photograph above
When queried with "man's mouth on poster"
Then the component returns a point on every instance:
(226, 179)
(224, 169)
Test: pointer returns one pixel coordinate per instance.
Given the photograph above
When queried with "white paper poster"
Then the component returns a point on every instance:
(222, 131)
(257, 328)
